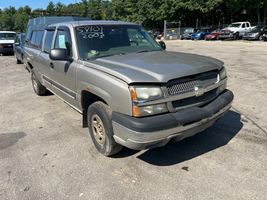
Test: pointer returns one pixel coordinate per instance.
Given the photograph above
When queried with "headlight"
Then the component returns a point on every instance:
(149, 93)
(141, 94)
(223, 74)
(255, 34)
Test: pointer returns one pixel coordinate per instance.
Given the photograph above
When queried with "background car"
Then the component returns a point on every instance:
(188, 34)
(156, 33)
(214, 35)
(7, 41)
(200, 34)
(255, 34)
(18, 47)
(264, 35)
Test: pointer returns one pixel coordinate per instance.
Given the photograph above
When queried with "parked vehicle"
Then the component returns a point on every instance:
(264, 35)
(129, 90)
(200, 34)
(255, 34)
(18, 47)
(187, 35)
(235, 30)
(214, 35)
(7, 39)
(172, 34)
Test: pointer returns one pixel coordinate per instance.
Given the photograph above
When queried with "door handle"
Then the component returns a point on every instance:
(52, 65)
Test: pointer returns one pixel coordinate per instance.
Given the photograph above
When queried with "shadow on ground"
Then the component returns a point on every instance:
(214, 137)
(9, 139)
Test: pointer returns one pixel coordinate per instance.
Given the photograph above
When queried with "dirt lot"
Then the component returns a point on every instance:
(45, 154)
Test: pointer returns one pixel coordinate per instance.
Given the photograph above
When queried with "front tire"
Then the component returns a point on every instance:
(101, 130)
(38, 88)
(236, 37)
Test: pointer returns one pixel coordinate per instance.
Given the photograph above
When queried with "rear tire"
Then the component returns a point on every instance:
(18, 61)
(38, 88)
(101, 130)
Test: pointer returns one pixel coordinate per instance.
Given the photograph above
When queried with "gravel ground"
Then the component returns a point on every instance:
(46, 154)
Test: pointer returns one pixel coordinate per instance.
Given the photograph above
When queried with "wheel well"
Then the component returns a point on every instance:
(87, 99)
(29, 67)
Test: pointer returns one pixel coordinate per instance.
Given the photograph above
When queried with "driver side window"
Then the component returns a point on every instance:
(63, 41)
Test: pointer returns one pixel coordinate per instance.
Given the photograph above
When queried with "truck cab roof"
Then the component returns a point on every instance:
(92, 22)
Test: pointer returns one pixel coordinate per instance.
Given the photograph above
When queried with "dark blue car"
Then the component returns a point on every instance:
(18, 47)
(200, 34)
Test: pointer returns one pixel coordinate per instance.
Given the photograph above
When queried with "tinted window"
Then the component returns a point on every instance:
(17, 40)
(36, 38)
(247, 24)
(48, 41)
(243, 25)
(7, 36)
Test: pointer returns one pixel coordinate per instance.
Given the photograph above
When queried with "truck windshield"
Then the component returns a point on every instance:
(7, 36)
(95, 41)
(236, 25)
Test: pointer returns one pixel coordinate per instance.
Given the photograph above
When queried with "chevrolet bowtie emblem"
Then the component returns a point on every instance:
(199, 91)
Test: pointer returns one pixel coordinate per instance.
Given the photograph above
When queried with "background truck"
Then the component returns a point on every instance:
(236, 30)
(7, 39)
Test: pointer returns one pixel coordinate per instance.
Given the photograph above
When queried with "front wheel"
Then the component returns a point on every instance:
(236, 36)
(101, 130)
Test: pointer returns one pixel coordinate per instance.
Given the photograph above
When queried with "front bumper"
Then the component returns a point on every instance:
(7, 50)
(226, 36)
(196, 37)
(156, 131)
(247, 37)
(186, 37)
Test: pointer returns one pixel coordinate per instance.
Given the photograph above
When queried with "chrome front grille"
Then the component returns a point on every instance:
(190, 84)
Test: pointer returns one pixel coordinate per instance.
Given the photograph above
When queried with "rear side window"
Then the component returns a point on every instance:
(48, 41)
(36, 39)
(243, 25)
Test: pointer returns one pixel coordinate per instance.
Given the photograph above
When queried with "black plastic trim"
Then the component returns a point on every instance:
(171, 120)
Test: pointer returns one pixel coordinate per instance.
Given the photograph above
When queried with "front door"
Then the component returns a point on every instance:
(63, 73)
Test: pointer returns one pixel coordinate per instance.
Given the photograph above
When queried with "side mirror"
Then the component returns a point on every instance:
(162, 44)
(60, 54)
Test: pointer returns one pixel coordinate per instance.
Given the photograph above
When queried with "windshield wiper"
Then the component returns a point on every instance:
(146, 50)
(142, 51)
(102, 56)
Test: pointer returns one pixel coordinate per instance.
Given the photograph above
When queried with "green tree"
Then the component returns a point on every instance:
(51, 8)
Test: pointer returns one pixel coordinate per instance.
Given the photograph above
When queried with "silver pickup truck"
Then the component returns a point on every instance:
(130, 91)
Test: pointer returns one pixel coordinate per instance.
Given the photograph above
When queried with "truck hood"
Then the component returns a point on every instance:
(154, 67)
(7, 41)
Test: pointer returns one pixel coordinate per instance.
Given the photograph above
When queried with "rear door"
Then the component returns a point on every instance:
(45, 68)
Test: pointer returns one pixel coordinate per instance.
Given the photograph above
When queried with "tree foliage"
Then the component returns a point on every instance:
(150, 13)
